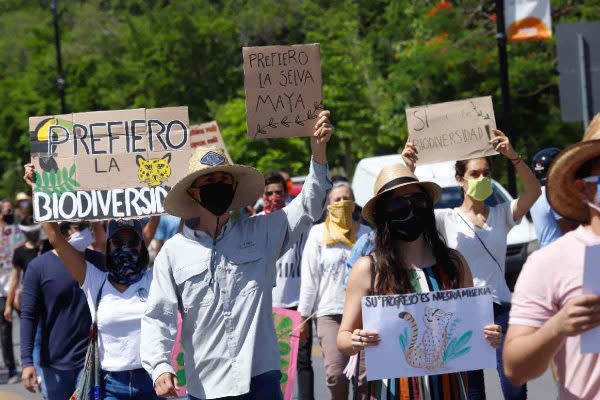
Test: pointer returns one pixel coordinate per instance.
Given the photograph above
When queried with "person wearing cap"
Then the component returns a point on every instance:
(410, 256)
(549, 225)
(23, 206)
(219, 274)
(550, 310)
(55, 314)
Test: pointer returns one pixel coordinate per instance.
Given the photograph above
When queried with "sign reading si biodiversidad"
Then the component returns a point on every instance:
(107, 164)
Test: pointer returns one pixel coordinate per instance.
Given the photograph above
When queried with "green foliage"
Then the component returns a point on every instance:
(458, 347)
(56, 181)
(378, 57)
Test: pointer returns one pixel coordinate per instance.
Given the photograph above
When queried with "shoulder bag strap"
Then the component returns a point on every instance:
(482, 243)
(98, 297)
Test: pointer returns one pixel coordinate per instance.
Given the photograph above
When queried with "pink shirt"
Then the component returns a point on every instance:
(551, 277)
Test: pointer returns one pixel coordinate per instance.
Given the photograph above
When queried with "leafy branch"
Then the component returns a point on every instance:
(480, 113)
(56, 181)
(285, 122)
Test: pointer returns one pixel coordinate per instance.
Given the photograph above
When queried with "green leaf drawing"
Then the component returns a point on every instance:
(284, 364)
(180, 359)
(284, 348)
(56, 181)
(284, 378)
(404, 340)
(458, 347)
(284, 327)
(464, 339)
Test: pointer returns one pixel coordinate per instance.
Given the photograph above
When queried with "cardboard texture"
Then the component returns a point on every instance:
(428, 333)
(207, 134)
(283, 90)
(457, 130)
(107, 164)
(527, 20)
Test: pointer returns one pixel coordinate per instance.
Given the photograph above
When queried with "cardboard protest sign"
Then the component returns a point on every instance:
(527, 20)
(428, 333)
(283, 90)
(457, 130)
(288, 338)
(207, 134)
(590, 341)
(107, 164)
(285, 322)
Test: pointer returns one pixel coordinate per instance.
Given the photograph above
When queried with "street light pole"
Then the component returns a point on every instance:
(60, 80)
(505, 89)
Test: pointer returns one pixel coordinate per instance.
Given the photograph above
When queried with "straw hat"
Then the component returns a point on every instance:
(249, 182)
(561, 177)
(393, 177)
(22, 196)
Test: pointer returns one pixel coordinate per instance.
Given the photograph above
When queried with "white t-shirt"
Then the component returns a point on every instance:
(323, 270)
(456, 228)
(119, 318)
(286, 292)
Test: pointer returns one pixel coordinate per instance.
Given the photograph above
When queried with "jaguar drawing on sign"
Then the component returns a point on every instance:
(154, 171)
(430, 352)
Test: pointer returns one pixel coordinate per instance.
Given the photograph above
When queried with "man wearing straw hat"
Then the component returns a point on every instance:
(550, 311)
(219, 275)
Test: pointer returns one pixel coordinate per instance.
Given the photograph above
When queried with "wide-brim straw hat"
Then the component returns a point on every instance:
(393, 177)
(249, 182)
(560, 188)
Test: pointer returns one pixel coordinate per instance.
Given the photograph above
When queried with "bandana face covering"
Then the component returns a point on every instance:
(273, 203)
(480, 188)
(125, 268)
(339, 225)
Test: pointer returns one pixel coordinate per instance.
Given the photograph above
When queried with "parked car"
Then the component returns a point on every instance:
(521, 240)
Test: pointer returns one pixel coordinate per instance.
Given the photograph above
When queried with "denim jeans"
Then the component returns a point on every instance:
(135, 384)
(37, 348)
(262, 387)
(60, 384)
(476, 386)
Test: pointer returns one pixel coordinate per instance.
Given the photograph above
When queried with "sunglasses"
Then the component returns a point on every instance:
(131, 243)
(277, 192)
(402, 206)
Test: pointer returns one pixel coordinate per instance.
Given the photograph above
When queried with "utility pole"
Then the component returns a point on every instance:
(60, 80)
(506, 124)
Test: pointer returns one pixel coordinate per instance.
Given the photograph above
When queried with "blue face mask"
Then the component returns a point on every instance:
(595, 179)
(125, 268)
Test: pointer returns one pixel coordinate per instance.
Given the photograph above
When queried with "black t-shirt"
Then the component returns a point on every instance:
(23, 255)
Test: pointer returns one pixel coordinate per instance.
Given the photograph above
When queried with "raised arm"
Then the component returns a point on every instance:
(71, 258)
(351, 338)
(531, 185)
(286, 227)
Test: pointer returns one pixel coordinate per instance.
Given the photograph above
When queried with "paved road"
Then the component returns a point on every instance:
(541, 388)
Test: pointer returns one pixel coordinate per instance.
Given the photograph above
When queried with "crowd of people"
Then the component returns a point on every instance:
(236, 243)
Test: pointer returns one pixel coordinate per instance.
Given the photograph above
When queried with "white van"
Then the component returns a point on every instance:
(521, 239)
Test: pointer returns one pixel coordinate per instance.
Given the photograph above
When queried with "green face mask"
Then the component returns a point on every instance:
(480, 188)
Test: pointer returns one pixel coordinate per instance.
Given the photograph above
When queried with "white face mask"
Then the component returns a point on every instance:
(80, 240)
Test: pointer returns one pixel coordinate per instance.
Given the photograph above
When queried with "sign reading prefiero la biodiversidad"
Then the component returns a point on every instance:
(107, 164)
(283, 90)
(456, 130)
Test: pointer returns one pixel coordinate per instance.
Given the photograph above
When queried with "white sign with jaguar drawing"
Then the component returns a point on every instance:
(429, 333)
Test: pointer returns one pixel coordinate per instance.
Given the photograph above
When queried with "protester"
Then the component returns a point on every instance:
(23, 207)
(409, 256)
(286, 293)
(549, 226)
(219, 275)
(10, 238)
(479, 233)
(53, 301)
(322, 291)
(21, 258)
(550, 311)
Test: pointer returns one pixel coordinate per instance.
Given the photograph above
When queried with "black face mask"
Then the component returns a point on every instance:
(216, 197)
(9, 218)
(407, 228)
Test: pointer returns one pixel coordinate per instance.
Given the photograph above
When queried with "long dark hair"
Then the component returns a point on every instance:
(392, 273)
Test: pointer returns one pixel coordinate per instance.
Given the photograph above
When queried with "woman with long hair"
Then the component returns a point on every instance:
(479, 233)
(322, 275)
(409, 257)
(117, 297)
